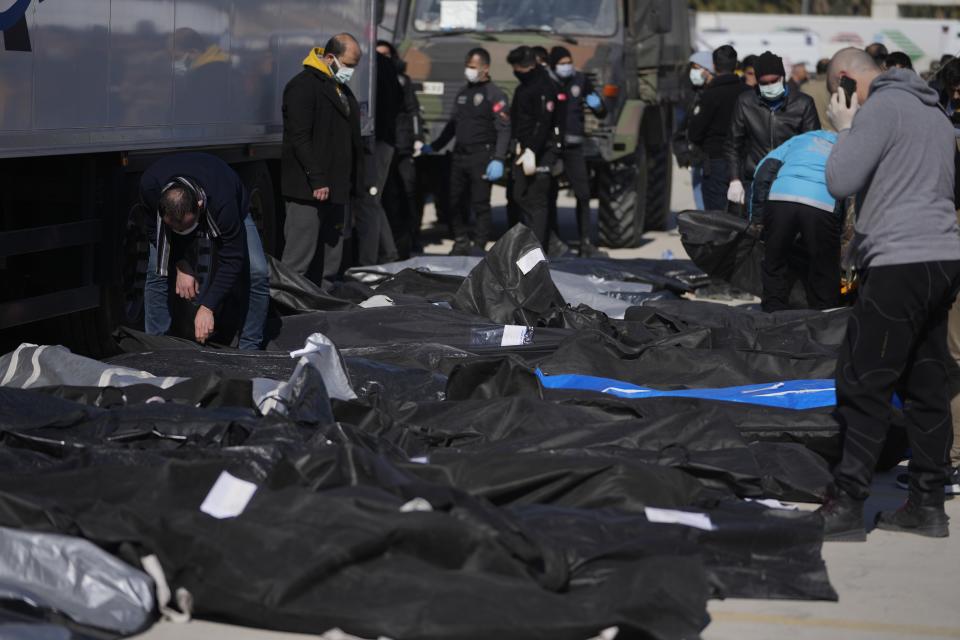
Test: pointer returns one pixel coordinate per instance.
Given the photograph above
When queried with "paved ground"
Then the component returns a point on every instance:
(891, 587)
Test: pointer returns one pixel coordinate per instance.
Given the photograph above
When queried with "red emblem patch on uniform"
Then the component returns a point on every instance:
(562, 97)
(497, 108)
(550, 106)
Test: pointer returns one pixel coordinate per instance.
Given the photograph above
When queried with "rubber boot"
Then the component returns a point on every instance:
(842, 517)
(912, 517)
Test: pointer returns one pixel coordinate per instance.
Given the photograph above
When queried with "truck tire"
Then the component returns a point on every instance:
(659, 184)
(622, 186)
(263, 202)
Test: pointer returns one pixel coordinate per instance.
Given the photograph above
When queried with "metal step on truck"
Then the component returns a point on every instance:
(634, 51)
(92, 92)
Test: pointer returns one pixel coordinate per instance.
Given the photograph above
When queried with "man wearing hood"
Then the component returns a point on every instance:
(533, 115)
(576, 95)
(896, 155)
(762, 120)
(321, 166)
(709, 122)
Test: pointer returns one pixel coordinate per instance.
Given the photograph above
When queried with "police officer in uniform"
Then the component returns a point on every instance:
(481, 125)
(576, 93)
(534, 120)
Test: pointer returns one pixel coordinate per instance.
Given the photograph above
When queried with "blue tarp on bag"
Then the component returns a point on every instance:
(792, 394)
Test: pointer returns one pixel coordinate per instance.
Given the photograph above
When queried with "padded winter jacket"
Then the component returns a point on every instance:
(756, 129)
(795, 172)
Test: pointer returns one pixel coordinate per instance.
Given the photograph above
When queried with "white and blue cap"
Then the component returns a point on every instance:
(704, 59)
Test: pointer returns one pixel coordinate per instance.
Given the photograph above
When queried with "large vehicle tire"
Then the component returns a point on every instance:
(622, 186)
(659, 187)
(263, 203)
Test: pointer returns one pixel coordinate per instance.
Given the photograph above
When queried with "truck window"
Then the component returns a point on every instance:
(566, 17)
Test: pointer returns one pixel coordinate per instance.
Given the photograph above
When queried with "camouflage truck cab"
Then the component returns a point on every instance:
(633, 50)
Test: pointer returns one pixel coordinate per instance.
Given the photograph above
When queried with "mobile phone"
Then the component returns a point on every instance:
(849, 86)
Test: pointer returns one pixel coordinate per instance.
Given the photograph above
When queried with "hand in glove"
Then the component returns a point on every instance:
(839, 114)
(494, 170)
(593, 101)
(736, 193)
(426, 149)
(528, 162)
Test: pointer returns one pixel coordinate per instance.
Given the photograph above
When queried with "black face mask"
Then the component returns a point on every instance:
(525, 76)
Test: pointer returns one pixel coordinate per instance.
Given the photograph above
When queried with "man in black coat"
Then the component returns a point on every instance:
(322, 165)
(709, 124)
(762, 120)
(533, 116)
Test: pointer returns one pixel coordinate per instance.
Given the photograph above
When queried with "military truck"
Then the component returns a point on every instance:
(92, 92)
(634, 51)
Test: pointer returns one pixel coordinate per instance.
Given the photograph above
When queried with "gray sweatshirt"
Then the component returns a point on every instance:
(898, 158)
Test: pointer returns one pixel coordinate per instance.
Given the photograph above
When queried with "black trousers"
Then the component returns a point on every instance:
(575, 168)
(470, 191)
(896, 341)
(716, 182)
(532, 195)
(407, 178)
(820, 238)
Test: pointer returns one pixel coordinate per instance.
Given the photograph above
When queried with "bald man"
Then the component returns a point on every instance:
(895, 153)
(321, 166)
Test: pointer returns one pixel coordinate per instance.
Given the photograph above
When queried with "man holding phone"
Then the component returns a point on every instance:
(896, 153)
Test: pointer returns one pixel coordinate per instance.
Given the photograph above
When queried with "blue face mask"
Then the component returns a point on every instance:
(343, 73)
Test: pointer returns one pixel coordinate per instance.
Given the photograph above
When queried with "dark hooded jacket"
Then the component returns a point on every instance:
(321, 135)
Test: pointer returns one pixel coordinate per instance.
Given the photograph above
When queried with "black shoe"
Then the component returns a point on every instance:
(951, 487)
(590, 250)
(461, 247)
(842, 517)
(931, 522)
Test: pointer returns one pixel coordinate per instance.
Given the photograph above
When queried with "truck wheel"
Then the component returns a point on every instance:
(622, 186)
(263, 202)
(659, 183)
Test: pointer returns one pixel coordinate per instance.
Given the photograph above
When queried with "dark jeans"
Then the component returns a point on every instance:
(532, 194)
(469, 191)
(716, 181)
(313, 236)
(896, 341)
(407, 180)
(820, 237)
(252, 294)
(575, 168)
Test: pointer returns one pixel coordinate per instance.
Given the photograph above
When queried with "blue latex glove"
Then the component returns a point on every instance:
(593, 101)
(426, 149)
(494, 170)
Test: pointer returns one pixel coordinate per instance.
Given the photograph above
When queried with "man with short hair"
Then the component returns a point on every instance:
(878, 51)
(534, 128)
(577, 94)
(709, 124)
(896, 154)
(480, 123)
(817, 89)
(322, 161)
(204, 246)
(762, 120)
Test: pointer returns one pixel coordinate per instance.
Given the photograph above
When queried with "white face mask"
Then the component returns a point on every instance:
(564, 70)
(697, 77)
(472, 75)
(344, 73)
(187, 232)
(772, 91)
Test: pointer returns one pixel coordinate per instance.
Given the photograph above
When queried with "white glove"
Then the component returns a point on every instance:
(839, 114)
(528, 162)
(735, 193)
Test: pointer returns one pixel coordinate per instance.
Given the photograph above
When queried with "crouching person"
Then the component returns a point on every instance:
(790, 197)
(206, 259)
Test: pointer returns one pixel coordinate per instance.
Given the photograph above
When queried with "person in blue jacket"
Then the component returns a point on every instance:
(790, 197)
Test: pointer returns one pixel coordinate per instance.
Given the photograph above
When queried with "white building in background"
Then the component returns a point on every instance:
(804, 39)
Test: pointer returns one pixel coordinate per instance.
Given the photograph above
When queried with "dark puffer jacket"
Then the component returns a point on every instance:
(756, 130)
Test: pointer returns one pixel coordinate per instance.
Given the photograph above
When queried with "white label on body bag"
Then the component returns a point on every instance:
(530, 259)
(228, 497)
(685, 518)
(515, 335)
